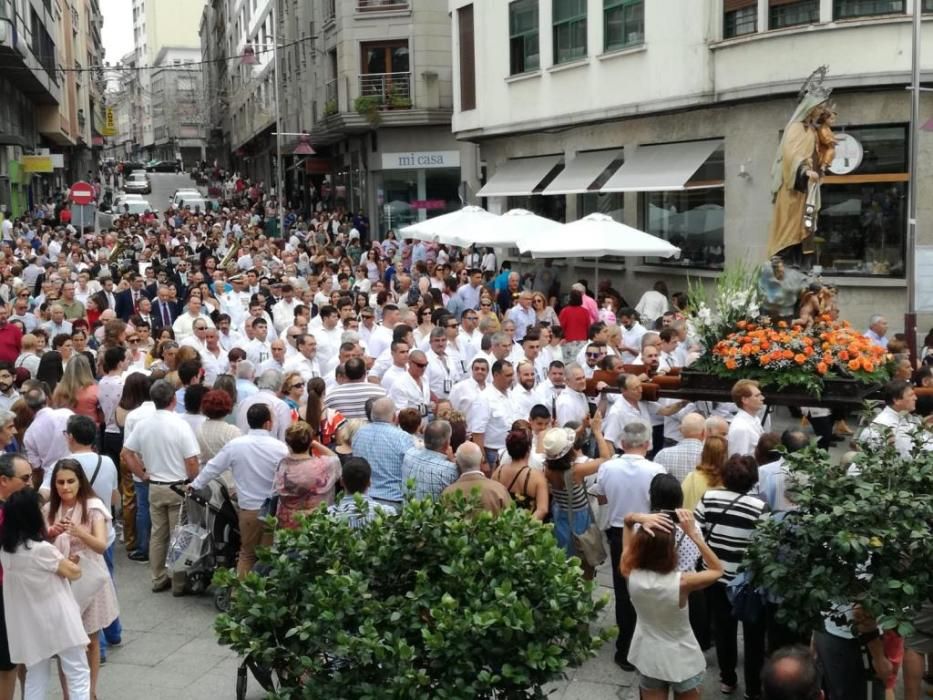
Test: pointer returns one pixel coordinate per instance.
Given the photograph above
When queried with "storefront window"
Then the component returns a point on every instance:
(402, 195)
(863, 218)
(690, 219)
(608, 203)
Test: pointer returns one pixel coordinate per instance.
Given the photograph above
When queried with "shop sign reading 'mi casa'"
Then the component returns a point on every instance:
(420, 159)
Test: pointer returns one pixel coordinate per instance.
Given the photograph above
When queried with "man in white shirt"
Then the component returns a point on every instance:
(198, 334)
(459, 350)
(277, 361)
(328, 338)
(259, 349)
(546, 392)
(305, 360)
(163, 451)
(531, 347)
(572, 404)
(877, 331)
(44, 439)
(381, 336)
(283, 311)
(268, 383)
(625, 482)
(469, 333)
(213, 358)
(491, 416)
(465, 391)
(746, 427)
(632, 331)
(443, 370)
(184, 324)
(522, 394)
(253, 459)
(412, 389)
(629, 408)
(897, 422)
(399, 368)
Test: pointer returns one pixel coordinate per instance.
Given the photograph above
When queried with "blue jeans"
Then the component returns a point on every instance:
(113, 632)
(143, 523)
(580, 519)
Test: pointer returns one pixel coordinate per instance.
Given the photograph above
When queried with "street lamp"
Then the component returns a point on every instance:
(248, 58)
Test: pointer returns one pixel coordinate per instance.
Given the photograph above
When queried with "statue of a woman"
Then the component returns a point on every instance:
(797, 171)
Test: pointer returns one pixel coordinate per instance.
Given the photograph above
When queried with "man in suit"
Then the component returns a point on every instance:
(128, 299)
(106, 298)
(164, 311)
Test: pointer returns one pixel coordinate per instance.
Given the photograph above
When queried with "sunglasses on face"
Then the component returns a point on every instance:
(296, 386)
(592, 354)
(422, 365)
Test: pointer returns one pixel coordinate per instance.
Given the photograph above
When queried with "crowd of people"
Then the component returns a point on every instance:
(329, 368)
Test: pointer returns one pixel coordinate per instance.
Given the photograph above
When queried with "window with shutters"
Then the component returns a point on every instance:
(569, 30)
(623, 23)
(739, 17)
(792, 13)
(467, 58)
(850, 9)
(524, 54)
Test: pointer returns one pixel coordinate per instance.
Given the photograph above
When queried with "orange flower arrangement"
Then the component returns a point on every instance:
(786, 355)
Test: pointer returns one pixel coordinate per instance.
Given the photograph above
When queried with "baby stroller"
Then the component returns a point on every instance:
(206, 538)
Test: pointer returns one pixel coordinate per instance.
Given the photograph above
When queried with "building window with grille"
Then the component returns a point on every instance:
(569, 30)
(623, 23)
(740, 17)
(792, 13)
(851, 9)
(524, 54)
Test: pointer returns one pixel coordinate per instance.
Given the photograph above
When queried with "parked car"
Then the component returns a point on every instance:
(183, 194)
(162, 166)
(137, 183)
(134, 206)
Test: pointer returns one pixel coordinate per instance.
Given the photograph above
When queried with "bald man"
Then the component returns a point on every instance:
(717, 426)
(682, 458)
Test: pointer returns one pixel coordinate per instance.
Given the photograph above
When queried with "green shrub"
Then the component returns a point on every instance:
(862, 539)
(430, 604)
(330, 108)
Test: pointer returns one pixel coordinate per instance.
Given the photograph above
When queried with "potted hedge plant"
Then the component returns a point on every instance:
(861, 535)
(330, 108)
(368, 106)
(429, 604)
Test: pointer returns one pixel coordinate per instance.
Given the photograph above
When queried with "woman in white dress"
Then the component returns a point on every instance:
(664, 649)
(42, 617)
(78, 523)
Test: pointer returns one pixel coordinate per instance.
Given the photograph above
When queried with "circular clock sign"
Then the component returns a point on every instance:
(849, 154)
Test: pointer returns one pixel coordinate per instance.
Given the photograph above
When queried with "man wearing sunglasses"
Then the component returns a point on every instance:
(15, 474)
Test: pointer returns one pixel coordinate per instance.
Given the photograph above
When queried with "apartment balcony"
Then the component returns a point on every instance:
(384, 91)
(376, 100)
(19, 64)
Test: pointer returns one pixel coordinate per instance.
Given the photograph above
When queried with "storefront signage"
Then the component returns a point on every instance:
(37, 164)
(415, 160)
(849, 154)
(428, 204)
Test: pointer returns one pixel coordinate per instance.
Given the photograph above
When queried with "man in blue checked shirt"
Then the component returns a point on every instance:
(430, 466)
(383, 444)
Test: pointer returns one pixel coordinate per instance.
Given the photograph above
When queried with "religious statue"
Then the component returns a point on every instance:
(807, 149)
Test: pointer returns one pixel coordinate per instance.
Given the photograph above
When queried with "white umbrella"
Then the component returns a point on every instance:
(504, 231)
(594, 236)
(452, 227)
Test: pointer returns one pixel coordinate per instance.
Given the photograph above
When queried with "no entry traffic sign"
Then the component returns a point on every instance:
(82, 193)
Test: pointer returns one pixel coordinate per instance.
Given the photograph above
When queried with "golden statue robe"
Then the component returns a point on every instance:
(799, 151)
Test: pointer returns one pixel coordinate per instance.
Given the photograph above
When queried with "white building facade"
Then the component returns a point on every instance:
(667, 115)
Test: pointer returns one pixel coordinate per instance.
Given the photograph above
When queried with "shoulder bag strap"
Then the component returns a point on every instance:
(515, 478)
(96, 469)
(725, 510)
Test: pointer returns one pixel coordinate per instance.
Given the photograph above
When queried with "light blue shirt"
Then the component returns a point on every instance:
(383, 445)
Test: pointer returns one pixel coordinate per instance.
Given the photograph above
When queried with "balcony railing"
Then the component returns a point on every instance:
(330, 10)
(390, 90)
(381, 5)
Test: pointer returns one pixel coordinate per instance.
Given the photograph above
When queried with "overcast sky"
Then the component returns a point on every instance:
(118, 28)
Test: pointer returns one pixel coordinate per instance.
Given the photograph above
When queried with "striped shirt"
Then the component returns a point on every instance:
(728, 521)
(350, 398)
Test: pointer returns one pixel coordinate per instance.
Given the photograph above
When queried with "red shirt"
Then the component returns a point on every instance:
(11, 340)
(576, 323)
